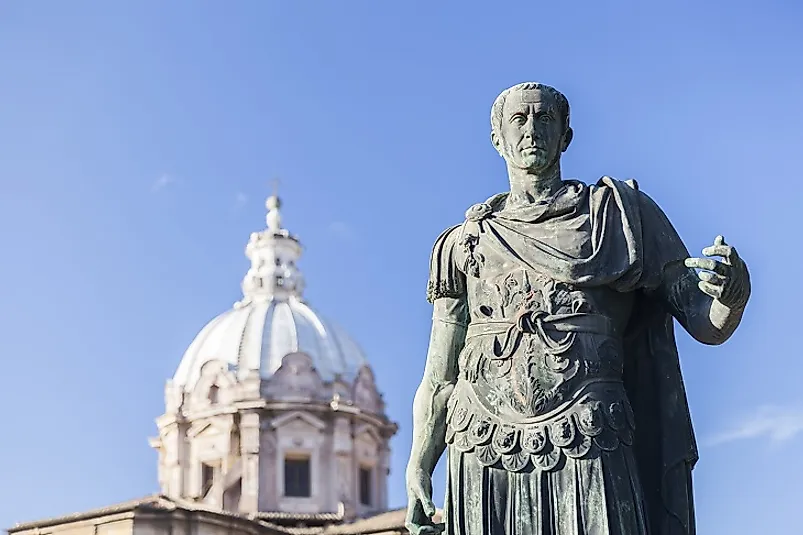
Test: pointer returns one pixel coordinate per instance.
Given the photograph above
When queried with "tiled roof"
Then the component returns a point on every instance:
(391, 521)
(269, 522)
(300, 517)
(149, 503)
(153, 501)
(296, 530)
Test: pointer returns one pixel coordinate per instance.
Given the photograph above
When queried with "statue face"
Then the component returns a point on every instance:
(533, 133)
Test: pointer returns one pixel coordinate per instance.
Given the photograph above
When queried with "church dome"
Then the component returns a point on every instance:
(272, 320)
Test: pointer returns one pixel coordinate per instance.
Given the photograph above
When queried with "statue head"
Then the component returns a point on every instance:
(530, 126)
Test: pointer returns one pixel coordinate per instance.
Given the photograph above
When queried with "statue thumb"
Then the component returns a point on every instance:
(429, 507)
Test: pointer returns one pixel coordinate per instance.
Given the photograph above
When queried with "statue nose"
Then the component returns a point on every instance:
(529, 128)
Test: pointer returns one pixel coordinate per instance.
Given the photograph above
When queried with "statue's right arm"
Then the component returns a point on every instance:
(448, 335)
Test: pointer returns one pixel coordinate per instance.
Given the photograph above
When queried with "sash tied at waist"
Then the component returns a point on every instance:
(541, 324)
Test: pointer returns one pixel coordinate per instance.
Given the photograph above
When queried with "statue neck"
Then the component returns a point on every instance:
(528, 187)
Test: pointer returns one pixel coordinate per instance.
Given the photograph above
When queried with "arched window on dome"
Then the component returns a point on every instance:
(212, 395)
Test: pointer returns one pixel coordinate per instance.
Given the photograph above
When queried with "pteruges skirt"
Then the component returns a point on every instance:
(596, 495)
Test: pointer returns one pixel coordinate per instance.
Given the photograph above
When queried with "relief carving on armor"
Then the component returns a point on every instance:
(591, 425)
(525, 366)
(526, 291)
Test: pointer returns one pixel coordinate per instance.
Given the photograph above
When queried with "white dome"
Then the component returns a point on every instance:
(257, 336)
(272, 320)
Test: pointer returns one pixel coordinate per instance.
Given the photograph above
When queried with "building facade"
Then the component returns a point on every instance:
(273, 422)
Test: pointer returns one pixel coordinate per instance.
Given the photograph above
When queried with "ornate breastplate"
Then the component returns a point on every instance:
(533, 341)
(541, 369)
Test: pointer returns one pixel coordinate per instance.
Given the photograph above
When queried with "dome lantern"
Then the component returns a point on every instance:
(273, 253)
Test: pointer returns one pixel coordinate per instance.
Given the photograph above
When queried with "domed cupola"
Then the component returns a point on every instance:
(272, 319)
(273, 409)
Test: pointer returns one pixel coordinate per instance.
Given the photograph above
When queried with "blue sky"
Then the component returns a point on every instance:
(138, 141)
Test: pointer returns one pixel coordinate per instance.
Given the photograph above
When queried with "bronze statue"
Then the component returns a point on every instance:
(552, 377)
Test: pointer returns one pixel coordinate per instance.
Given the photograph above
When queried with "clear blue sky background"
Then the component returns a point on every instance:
(138, 139)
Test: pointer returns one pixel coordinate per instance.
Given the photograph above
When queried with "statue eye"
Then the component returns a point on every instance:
(545, 118)
(518, 119)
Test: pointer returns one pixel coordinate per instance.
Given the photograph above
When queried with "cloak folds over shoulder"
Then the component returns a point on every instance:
(610, 235)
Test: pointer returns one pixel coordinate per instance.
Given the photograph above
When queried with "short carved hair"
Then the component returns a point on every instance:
(499, 104)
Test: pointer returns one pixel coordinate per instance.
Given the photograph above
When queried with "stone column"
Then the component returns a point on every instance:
(343, 453)
(249, 453)
(326, 464)
(172, 457)
(268, 469)
(382, 472)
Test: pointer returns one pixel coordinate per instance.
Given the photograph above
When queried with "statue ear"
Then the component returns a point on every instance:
(497, 142)
(567, 139)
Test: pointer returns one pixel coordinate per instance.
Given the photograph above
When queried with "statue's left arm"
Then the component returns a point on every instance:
(708, 303)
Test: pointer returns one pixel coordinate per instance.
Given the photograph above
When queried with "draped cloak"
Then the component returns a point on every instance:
(626, 245)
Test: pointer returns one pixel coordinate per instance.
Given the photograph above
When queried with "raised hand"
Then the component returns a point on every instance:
(420, 508)
(728, 280)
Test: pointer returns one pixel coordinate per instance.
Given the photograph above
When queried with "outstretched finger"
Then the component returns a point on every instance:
(711, 277)
(714, 290)
(707, 263)
(730, 254)
(718, 250)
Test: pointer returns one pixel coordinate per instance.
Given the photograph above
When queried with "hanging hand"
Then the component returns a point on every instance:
(420, 508)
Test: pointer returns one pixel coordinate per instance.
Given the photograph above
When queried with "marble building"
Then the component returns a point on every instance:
(273, 422)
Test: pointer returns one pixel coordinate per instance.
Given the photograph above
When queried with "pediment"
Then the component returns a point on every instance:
(369, 432)
(365, 373)
(366, 395)
(206, 429)
(289, 418)
(295, 378)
